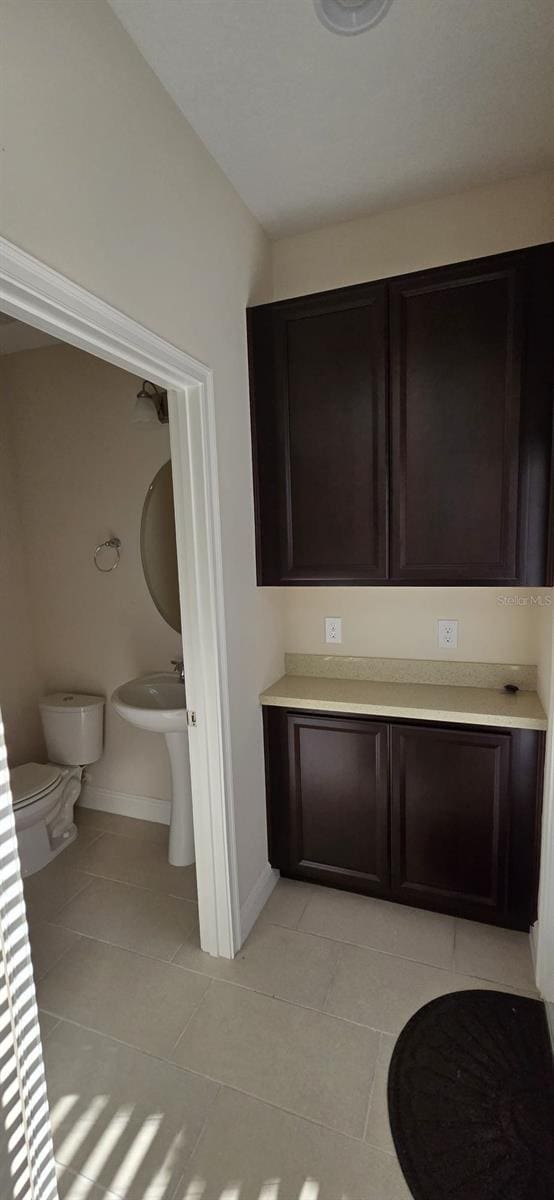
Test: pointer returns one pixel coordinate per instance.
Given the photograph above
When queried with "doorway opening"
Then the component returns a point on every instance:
(91, 617)
(41, 298)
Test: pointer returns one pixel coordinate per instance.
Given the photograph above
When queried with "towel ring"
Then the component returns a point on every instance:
(113, 543)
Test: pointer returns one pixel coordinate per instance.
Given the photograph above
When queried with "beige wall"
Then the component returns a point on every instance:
(106, 182)
(82, 472)
(496, 625)
(20, 683)
(483, 221)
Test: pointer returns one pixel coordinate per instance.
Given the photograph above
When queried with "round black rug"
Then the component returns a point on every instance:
(471, 1099)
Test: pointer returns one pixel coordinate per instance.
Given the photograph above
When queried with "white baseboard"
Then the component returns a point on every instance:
(147, 808)
(255, 900)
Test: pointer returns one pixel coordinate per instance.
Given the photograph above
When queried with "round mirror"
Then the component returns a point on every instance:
(158, 547)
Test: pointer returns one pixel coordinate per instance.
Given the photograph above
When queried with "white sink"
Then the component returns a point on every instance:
(157, 704)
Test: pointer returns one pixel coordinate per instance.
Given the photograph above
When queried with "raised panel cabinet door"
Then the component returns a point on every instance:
(338, 801)
(450, 819)
(456, 367)
(319, 417)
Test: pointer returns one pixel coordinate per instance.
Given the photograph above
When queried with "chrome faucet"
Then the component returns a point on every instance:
(179, 668)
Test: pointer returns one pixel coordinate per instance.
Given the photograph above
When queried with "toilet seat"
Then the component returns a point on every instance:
(32, 782)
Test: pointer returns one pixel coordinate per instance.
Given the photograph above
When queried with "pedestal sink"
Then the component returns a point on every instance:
(157, 703)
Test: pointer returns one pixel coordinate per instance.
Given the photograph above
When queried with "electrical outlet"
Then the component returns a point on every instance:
(333, 629)
(447, 632)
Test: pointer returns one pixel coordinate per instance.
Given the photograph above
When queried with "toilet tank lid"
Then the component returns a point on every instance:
(74, 700)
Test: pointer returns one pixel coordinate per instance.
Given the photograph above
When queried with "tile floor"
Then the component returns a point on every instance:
(175, 1076)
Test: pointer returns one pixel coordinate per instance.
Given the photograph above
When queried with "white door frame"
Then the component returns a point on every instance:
(542, 934)
(37, 295)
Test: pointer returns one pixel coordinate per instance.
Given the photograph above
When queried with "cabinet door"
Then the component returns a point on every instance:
(338, 801)
(450, 819)
(317, 368)
(455, 408)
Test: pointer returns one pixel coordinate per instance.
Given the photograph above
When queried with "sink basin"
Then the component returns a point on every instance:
(157, 704)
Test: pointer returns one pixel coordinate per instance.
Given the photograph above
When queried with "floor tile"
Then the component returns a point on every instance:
(250, 1150)
(6, 1178)
(48, 890)
(128, 916)
(71, 856)
(120, 1117)
(503, 955)
(143, 1002)
(394, 928)
(133, 827)
(287, 902)
(383, 992)
(294, 1057)
(378, 1126)
(282, 962)
(48, 944)
(144, 863)
(47, 1023)
(75, 1187)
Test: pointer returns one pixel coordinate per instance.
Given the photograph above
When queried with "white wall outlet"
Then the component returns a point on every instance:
(333, 629)
(447, 634)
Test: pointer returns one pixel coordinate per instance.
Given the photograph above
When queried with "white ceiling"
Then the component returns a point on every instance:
(311, 128)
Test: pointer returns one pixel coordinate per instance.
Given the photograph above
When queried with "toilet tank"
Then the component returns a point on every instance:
(73, 727)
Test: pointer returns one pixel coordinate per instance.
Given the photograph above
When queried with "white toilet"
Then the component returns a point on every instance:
(44, 794)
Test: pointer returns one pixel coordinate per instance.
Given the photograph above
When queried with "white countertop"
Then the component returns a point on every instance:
(416, 701)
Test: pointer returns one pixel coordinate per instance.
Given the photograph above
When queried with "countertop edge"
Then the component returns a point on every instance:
(450, 717)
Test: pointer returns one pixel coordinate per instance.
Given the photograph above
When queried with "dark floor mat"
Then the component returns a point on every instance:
(471, 1099)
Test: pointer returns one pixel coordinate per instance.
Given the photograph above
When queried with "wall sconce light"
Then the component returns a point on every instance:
(151, 403)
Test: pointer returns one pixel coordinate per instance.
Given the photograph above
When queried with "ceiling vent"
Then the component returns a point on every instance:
(350, 16)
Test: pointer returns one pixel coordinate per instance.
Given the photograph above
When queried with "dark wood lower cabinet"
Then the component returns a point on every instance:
(437, 816)
(338, 801)
(450, 812)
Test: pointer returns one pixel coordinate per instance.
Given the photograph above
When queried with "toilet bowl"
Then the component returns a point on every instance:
(44, 794)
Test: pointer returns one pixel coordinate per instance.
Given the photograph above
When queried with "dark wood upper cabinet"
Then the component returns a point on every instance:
(463, 377)
(320, 431)
(456, 357)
